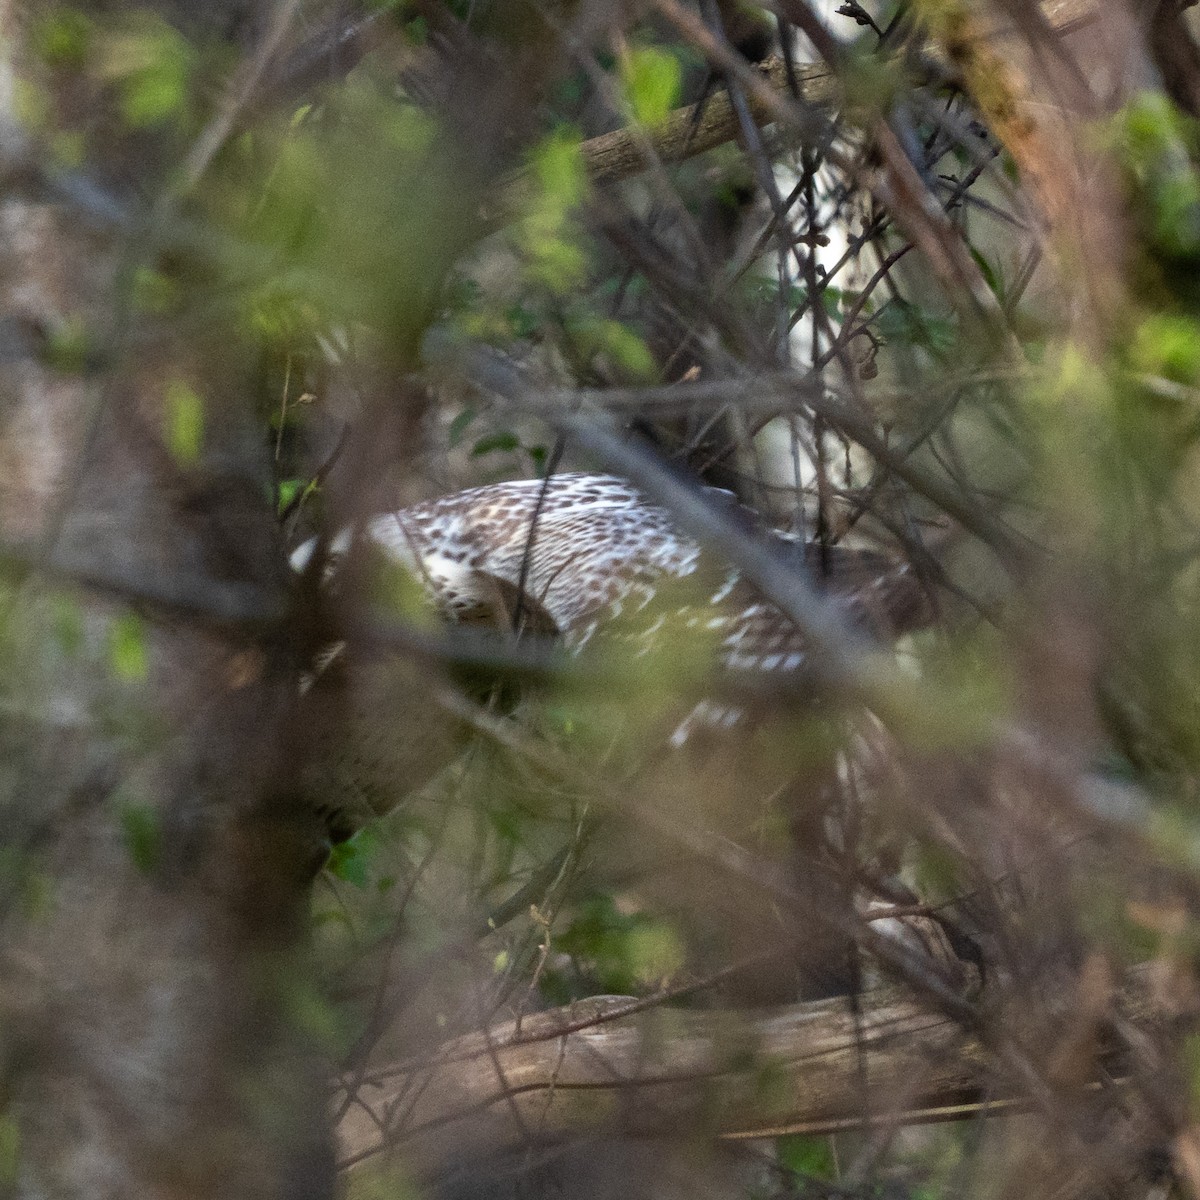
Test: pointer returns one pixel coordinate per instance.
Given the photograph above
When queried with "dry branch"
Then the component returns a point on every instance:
(623, 152)
(602, 1062)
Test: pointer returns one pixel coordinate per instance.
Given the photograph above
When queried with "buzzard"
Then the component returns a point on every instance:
(589, 560)
(578, 554)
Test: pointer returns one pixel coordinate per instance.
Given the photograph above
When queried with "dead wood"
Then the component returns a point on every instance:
(611, 1062)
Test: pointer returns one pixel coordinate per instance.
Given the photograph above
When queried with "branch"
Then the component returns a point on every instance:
(621, 154)
(608, 1061)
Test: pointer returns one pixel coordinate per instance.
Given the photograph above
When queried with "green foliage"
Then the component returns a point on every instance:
(807, 1157)
(184, 418)
(69, 346)
(495, 441)
(905, 323)
(554, 257)
(351, 860)
(127, 651)
(62, 37)
(151, 64)
(618, 952)
(1156, 144)
(624, 349)
(155, 292)
(68, 624)
(1168, 345)
(290, 490)
(142, 831)
(458, 426)
(651, 80)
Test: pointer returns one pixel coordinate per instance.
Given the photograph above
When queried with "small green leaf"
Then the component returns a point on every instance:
(625, 348)
(350, 860)
(143, 836)
(289, 489)
(1168, 345)
(523, 321)
(61, 38)
(810, 1156)
(655, 953)
(652, 82)
(990, 276)
(127, 648)
(151, 63)
(559, 167)
(185, 422)
(458, 426)
(495, 441)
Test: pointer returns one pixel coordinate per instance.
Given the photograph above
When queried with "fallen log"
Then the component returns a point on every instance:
(613, 1063)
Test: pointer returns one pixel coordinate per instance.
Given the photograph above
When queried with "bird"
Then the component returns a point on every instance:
(573, 555)
(588, 560)
(585, 558)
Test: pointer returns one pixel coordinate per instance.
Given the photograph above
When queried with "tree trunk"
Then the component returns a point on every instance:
(152, 881)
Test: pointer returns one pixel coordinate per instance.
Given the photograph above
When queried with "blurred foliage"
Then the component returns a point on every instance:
(362, 237)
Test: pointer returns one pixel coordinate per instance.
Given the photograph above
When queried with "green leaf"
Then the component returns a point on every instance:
(142, 834)
(289, 489)
(495, 441)
(651, 78)
(559, 168)
(523, 321)
(151, 63)
(185, 422)
(991, 278)
(623, 346)
(458, 427)
(1168, 345)
(61, 38)
(628, 350)
(655, 953)
(351, 860)
(555, 259)
(810, 1156)
(127, 648)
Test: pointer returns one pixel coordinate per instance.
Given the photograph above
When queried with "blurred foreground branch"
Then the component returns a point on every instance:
(688, 132)
(577, 1068)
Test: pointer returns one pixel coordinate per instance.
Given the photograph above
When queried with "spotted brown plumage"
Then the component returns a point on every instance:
(588, 554)
(587, 558)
